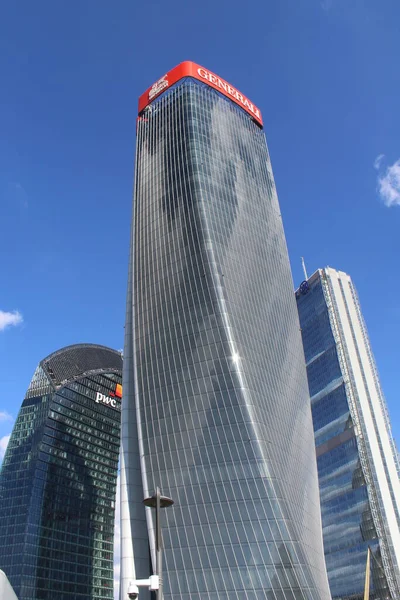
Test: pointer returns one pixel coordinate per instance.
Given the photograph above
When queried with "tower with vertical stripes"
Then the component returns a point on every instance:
(216, 409)
(356, 455)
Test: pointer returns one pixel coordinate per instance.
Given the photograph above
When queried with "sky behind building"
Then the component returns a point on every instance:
(324, 75)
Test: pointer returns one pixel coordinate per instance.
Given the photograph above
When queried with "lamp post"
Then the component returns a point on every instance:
(154, 583)
(158, 501)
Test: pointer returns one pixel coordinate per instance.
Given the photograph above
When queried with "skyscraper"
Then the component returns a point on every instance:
(216, 408)
(356, 457)
(58, 478)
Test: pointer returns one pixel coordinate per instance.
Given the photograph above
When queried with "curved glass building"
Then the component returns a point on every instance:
(356, 456)
(58, 478)
(216, 408)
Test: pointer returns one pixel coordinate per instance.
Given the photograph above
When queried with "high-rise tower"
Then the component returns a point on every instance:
(216, 408)
(59, 476)
(356, 456)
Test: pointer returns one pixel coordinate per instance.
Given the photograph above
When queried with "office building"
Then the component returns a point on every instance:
(216, 409)
(58, 478)
(356, 457)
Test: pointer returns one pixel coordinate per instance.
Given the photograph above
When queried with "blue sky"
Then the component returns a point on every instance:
(325, 76)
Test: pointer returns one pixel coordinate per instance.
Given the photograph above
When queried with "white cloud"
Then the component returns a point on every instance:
(117, 541)
(389, 185)
(378, 161)
(8, 319)
(5, 416)
(17, 194)
(3, 445)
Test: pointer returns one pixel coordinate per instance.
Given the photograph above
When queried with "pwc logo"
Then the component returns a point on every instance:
(111, 399)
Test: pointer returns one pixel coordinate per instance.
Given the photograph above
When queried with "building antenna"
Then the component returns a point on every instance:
(304, 267)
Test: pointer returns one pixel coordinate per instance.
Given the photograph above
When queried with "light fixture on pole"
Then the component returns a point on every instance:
(154, 583)
(157, 501)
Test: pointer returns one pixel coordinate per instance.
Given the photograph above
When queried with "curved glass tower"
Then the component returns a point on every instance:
(58, 478)
(356, 455)
(216, 408)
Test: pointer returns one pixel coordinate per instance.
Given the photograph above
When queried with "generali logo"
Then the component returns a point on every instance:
(191, 69)
(228, 89)
(158, 87)
(111, 399)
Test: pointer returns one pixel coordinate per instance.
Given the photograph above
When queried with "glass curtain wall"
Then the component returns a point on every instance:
(58, 480)
(224, 422)
(349, 519)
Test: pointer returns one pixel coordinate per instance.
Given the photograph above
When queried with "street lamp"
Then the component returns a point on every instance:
(154, 583)
(157, 501)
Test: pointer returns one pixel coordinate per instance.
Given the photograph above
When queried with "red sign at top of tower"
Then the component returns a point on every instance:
(190, 69)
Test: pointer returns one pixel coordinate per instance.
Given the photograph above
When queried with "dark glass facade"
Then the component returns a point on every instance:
(58, 478)
(353, 510)
(215, 392)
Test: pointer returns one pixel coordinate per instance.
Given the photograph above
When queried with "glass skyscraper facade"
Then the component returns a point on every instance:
(58, 478)
(216, 408)
(356, 456)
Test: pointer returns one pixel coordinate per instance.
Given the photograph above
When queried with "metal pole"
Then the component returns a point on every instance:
(159, 545)
(158, 502)
(304, 267)
(367, 573)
